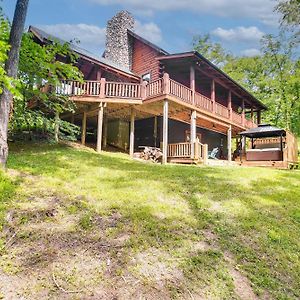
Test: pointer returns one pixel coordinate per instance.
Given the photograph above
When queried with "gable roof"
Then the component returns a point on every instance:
(195, 55)
(45, 37)
(141, 39)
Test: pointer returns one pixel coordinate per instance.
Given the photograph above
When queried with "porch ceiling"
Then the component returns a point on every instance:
(176, 112)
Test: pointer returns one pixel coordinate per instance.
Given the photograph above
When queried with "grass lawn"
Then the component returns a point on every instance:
(79, 225)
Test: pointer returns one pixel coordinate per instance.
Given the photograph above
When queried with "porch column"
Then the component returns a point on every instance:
(252, 114)
(258, 117)
(100, 126)
(193, 132)
(98, 75)
(213, 95)
(104, 143)
(155, 131)
(243, 112)
(131, 145)
(229, 105)
(192, 82)
(229, 146)
(83, 128)
(165, 132)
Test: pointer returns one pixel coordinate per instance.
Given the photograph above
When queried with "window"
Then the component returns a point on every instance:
(146, 77)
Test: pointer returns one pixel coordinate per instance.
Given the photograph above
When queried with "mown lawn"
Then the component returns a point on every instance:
(79, 225)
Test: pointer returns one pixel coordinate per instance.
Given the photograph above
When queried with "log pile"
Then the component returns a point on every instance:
(151, 153)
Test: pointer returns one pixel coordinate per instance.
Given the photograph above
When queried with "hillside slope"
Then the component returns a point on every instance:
(79, 225)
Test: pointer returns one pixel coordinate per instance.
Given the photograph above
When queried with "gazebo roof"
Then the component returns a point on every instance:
(263, 130)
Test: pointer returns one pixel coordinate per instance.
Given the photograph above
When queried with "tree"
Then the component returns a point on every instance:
(290, 16)
(4, 47)
(11, 68)
(39, 74)
(210, 50)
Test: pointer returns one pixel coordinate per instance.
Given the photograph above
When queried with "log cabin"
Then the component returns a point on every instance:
(137, 94)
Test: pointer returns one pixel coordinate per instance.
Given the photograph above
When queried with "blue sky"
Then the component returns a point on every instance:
(237, 24)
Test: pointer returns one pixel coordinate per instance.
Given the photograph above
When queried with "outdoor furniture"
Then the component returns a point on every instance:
(213, 154)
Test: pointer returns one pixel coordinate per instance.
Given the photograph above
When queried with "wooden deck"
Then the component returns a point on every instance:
(158, 90)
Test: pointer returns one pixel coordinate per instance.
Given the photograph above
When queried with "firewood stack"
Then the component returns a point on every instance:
(151, 153)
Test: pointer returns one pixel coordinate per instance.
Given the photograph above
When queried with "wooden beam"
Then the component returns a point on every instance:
(100, 126)
(192, 82)
(229, 105)
(193, 131)
(165, 131)
(131, 139)
(105, 120)
(229, 146)
(213, 94)
(83, 128)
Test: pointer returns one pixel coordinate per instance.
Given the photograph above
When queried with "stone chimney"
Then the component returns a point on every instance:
(118, 44)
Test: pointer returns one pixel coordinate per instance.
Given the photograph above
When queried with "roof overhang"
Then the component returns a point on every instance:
(197, 58)
(83, 54)
(263, 131)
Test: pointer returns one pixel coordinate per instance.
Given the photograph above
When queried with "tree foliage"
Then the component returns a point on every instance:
(39, 73)
(4, 47)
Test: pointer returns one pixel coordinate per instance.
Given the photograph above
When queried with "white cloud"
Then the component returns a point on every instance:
(238, 34)
(149, 31)
(250, 52)
(257, 9)
(91, 37)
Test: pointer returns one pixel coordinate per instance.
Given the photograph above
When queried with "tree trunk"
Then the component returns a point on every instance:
(11, 68)
(56, 129)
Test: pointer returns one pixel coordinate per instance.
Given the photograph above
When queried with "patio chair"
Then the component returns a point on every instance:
(213, 154)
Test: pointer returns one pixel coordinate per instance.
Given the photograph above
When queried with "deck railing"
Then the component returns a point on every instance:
(222, 110)
(180, 150)
(143, 91)
(123, 90)
(237, 118)
(154, 88)
(203, 102)
(77, 88)
(181, 91)
(196, 151)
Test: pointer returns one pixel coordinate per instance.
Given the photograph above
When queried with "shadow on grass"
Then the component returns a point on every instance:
(258, 222)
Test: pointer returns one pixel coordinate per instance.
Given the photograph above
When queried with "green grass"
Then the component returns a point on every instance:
(170, 228)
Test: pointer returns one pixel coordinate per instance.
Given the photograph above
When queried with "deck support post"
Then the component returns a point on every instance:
(155, 131)
(252, 114)
(213, 95)
(193, 133)
(131, 138)
(258, 117)
(104, 143)
(229, 146)
(243, 112)
(230, 105)
(83, 128)
(192, 82)
(100, 126)
(165, 131)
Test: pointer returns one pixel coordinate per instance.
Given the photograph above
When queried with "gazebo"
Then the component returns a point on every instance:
(270, 146)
